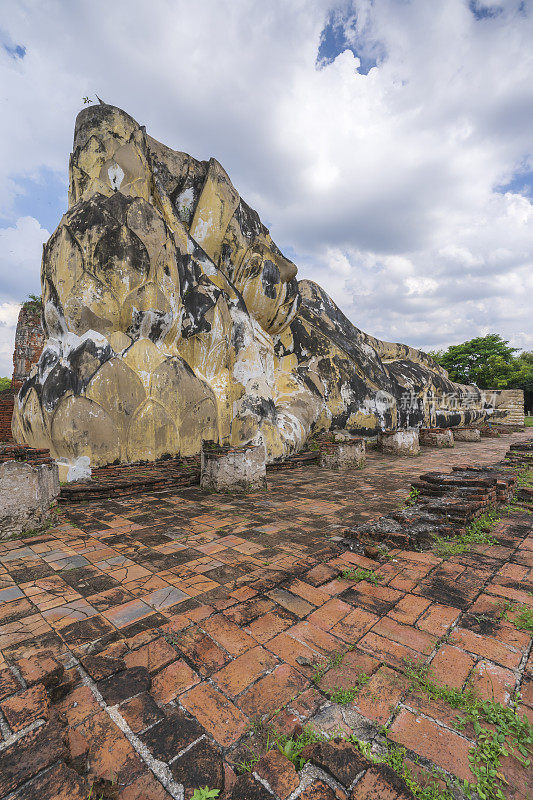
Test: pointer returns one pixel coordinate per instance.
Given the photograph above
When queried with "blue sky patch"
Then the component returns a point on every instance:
(341, 33)
(482, 11)
(16, 51)
(43, 197)
(520, 183)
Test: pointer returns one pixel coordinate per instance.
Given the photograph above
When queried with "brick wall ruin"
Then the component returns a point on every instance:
(6, 412)
(29, 342)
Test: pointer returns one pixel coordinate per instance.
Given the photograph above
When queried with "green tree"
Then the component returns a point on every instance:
(5, 383)
(33, 302)
(522, 377)
(487, 361)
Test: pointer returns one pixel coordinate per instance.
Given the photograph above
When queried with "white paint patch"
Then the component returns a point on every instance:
(185, 204)
(77, 469)
(203, 227)
(116, 176)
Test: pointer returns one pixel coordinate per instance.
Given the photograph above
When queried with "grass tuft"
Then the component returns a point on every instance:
(478, 532)
(360, 574)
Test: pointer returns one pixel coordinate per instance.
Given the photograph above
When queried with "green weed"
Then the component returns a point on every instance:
(412, 497)
(476, 533)
(321, 668)
(523, 616)
(290, 746)
(205, 794)
(394, 757)
(360, 574)
(499, 732)
(345, 696)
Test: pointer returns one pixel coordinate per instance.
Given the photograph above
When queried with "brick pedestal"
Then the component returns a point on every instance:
(342, 454)
(466, 434)
(26, 495)
(436, 437)
(237, 469)
(400, 443)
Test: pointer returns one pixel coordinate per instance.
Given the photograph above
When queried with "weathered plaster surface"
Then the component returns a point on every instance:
(26, 494)
(508, 405)
(343, 455)
(241, 469)
(400, 443)
(76, 469)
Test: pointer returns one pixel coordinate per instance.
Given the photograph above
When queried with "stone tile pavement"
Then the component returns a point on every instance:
(144, 637)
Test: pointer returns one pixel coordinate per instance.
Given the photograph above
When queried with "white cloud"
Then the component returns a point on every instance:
(8, 323)
(20, 257)
(383, 184)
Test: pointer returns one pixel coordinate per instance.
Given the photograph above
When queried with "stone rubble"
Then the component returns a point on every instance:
(445, 503)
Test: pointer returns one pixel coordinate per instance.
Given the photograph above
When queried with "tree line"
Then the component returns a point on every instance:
(489, 362)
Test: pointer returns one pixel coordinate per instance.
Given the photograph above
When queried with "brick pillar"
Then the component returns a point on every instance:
(29, 342)
(6, 412)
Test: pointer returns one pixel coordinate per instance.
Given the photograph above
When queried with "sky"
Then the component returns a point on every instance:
(388, 144)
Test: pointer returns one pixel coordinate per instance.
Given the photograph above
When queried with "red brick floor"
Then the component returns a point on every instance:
(156, 621)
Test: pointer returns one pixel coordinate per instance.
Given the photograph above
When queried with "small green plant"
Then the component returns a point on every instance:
(205, 794)
(360, 574)
(247, 766)
(394, 757)
(524, 619)
(525, 478)
(413, 496)
(476, 533)
(289, 750)
(292, 747)
(33, 303)
(172, 637)
(499, 730)
(31, 532)
(323, 667)
(420, 676)
(523, 616)
(344, 697)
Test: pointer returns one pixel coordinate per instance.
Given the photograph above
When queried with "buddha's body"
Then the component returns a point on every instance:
(172, 317)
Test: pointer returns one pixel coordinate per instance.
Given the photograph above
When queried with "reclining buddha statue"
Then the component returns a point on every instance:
(171, 317)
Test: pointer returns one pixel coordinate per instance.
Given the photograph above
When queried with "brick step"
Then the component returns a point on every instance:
(296, 460)
(445, 505)
(127, 479)
(9, 451)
